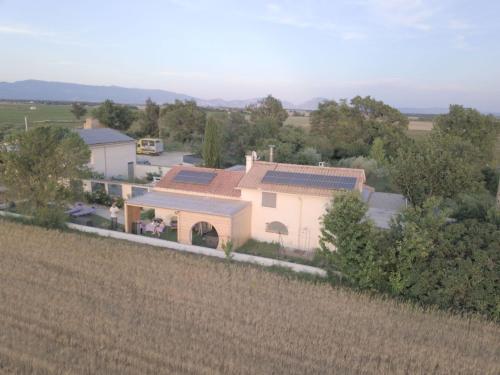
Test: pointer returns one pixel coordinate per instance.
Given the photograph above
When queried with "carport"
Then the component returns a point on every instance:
(229, 217)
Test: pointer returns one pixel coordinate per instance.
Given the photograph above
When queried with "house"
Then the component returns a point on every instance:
(267, 201)
(112, 152)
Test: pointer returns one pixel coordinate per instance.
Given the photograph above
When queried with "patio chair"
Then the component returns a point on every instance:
(77, 207)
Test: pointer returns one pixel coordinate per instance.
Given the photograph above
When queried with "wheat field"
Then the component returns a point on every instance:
(72, 303)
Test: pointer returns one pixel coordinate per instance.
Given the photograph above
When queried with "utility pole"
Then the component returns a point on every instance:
(26, 123)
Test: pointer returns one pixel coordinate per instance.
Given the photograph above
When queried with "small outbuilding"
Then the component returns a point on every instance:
(112, 152)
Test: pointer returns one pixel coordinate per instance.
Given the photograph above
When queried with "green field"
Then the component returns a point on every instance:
(12, 115)
(301, 121)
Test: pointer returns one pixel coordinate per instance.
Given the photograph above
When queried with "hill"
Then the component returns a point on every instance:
(79, 304)
(62, 91)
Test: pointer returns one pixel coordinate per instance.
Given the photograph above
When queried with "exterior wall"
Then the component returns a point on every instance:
(241, 227)
(112, 159)
(301, 215)
(186, 220)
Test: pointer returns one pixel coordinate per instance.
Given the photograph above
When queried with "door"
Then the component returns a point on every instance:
(130, 170)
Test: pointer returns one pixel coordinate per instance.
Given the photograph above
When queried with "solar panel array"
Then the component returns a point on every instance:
(310, 180)
(194, 177)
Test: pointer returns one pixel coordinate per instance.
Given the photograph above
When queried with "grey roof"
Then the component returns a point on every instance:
(191, 203)
(102, 136)
(387, 201)
(237, 167)
(382, 207)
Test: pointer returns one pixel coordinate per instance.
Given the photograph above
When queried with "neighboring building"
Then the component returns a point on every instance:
(112, 152)
(382, 207)
(266, 201)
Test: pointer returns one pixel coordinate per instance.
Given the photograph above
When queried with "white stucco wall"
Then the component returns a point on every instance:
(112, 159)
(301, 215)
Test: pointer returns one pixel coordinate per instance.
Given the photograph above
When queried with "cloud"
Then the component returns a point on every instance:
(276, 14)
(23, 30)
(300, 19)
(414, 14)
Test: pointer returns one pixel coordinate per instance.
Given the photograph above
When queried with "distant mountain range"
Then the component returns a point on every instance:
(70, 92)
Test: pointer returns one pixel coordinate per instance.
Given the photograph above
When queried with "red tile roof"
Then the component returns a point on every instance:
(253, 179)
(223, 184)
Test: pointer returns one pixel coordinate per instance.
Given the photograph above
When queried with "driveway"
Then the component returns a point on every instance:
(165, 159)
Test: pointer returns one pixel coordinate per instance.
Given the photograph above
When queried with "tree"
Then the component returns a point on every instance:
(268, 109)
(78, 110)
(40, 166)
(149, 119)
(449, 264)
(480, 130)
(349, 242)
(439, 165)
(182, 122)
(114, 116)
(212, 144)
(344, 130)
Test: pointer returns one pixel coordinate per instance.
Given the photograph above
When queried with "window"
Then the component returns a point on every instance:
(137, 191)
(269, 200)
(115, 190)
(276, 227)
(97, 186)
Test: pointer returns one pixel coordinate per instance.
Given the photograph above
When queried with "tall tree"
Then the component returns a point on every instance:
(268, 108)
(78, 110)
(40, 164)
(182, 122)
(480, 130)
(212, 153)
(439, 165)
(149, 119)
(348, 129)
(114, 116)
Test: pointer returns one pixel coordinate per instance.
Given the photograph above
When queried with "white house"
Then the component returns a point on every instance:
(112, 152)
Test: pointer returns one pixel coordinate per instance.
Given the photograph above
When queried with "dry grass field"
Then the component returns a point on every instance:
(71, 303)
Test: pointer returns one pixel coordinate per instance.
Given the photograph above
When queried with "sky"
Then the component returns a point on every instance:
(408, 53)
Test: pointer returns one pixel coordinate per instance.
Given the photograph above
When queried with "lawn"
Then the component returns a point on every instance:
(300, 121)
(12, 115)
(74, 303)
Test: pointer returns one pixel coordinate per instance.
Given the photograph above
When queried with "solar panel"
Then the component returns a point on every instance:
(310, 180)
(194, 177)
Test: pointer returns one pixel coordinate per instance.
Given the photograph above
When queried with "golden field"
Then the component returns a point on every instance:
(72, 303)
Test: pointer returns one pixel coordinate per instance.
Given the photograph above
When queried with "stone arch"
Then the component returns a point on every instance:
(204, 234)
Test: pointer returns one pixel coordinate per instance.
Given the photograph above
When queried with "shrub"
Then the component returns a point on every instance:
(50, 217)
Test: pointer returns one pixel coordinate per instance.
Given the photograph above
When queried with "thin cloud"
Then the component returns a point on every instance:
(278, 15)
(23, 30)
(414, 14)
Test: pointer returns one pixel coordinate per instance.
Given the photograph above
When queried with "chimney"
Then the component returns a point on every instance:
(250, 157)
(271, 153)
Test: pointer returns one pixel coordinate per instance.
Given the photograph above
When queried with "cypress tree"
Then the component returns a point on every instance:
(212, 144)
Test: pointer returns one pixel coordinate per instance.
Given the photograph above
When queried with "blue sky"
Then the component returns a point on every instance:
(409, 53)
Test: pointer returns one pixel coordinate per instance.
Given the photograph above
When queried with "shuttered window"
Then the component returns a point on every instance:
(269, 200)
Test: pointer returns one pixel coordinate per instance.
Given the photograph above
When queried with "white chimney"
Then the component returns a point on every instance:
(249, 160)
(271, 153)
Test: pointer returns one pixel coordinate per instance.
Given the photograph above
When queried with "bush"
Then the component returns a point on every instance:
(50, 217)
(101, 197)
(148, 214)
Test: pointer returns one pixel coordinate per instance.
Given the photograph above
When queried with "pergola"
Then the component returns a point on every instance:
(230, 217)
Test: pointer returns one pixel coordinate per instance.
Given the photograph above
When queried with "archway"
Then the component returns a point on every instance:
(204, 234)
